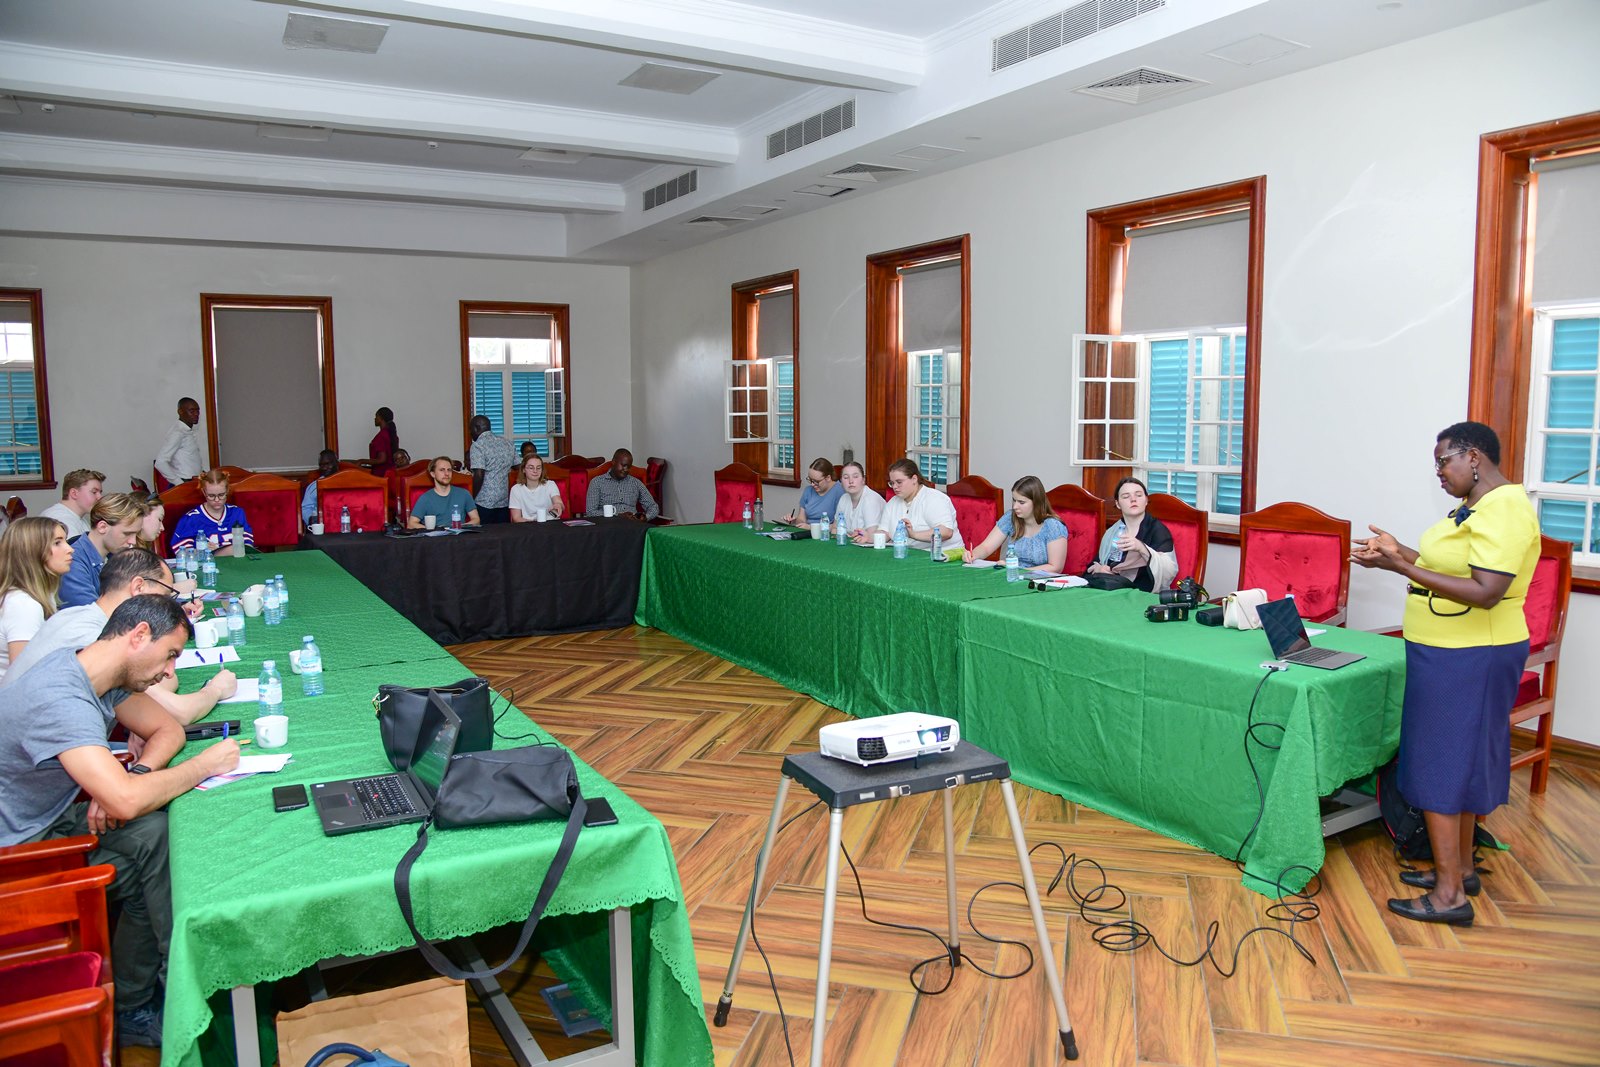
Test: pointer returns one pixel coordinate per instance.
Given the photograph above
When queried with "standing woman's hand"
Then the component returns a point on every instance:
(1381, 552)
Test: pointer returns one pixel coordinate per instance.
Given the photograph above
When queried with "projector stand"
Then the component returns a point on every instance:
(842, 785)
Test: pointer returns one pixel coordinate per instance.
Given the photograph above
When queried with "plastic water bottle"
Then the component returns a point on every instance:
(840, 532)
(235, 622)
(269, 689)
(760, 517)
(936, 546)
(208, 569)
(1013, 568)
(185, 559)
(283, 597)
(455, 517)
(272, 611)
(821, 528)
(344, 520)
(310, 667)
(747, 515)
(900, 540)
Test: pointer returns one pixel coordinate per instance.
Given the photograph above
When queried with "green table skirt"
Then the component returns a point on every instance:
(259, 896)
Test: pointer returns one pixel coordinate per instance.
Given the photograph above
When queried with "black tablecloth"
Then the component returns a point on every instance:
(501, 581)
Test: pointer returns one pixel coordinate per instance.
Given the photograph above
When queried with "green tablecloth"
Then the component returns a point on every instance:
(258, 896)
(853, 627)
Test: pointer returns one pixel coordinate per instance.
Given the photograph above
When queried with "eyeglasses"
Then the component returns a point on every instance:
(217, 496)
(164, 585)
(1439, 463)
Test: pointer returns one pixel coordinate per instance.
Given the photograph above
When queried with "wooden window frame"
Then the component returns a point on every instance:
(887, 405)
(41, 393)
(323, 305)
(561, 356)
(1106, 279)
(1502, 283)
(746, 298)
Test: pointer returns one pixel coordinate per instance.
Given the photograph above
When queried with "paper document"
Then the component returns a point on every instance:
(246, 695)
(983, 563)
(207, 657)
(249, 765)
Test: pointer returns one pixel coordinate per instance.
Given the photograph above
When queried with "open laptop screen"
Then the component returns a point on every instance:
(1284, 628)
(436, 743)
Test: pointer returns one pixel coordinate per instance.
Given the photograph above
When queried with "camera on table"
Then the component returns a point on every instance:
(1173, 612)
(1189, 594)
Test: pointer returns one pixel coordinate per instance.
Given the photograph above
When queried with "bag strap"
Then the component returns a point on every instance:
(547, 888)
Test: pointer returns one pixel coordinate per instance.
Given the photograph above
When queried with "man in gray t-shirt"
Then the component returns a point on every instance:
(53, 727)
(490, 459)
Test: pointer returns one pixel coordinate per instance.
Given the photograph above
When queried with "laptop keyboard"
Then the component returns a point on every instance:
(1313, 655)
(382, 797)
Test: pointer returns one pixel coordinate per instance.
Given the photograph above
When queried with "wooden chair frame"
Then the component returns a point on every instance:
(1169, 509)
(1543, 707)
(1294, 517)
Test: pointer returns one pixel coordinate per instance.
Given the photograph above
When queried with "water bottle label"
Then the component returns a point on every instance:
(272, 692)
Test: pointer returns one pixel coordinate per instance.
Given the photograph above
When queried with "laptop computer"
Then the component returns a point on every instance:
(1286, 632)
(372, 803)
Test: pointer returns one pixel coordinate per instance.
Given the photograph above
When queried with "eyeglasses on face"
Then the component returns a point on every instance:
(217, 496)
(1438, 464)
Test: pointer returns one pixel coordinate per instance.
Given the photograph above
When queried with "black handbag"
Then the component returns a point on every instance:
(400, 711)
(486, 788)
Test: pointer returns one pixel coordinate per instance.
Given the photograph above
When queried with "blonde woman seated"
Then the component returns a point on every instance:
(859, 507)
(534, 491)
(1032, 528)
(34, 554)
(1138, 547)
(922, 507)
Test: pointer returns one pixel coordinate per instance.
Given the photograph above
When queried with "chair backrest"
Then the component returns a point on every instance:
(71, 898)
(576, 462)
(45, 857)
(413, 486)
(561, 478)
(655, 473)
(737, 485)
(235, 473)
(272, 504)
(181, 498)
(15, 509)
(979, 504)
(1084, 516)
(1295, 548)
(577, 489)
(1545, 606)
(364, 494)
(1190, 529)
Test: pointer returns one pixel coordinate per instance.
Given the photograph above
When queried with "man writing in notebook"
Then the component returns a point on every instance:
(54, 724)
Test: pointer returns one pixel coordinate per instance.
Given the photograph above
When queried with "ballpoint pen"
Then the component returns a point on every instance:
(224, 731)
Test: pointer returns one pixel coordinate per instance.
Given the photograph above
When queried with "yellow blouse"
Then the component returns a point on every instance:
(1501, 534)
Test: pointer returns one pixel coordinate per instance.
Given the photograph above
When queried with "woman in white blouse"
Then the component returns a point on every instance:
(34, 554)
(922, 507)
(534, 491)
(859, 508)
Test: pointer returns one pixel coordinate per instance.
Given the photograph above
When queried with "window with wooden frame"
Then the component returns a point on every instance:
(762, 380)
(1178, 406)
(918, 360)
(514, 372)
(25, 461)
(1530, 347)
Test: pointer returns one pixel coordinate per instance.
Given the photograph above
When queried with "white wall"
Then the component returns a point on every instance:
(1371, 168)
(122, 336)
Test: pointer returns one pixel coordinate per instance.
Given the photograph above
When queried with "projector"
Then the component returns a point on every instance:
(889, 737)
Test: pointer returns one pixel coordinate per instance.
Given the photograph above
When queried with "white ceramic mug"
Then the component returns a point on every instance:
(430, 521)
(317, 528)
(205, 633)
(880, 539)
(272, 731)
(541, 514)
(251, 602)
(817, 532)
(611, 511)
(294, 660)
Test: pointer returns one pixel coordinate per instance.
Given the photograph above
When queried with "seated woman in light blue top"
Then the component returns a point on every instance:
(1032, 528)
(819, 498)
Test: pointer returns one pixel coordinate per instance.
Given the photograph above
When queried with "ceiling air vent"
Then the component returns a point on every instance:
(1139, 86)
(682, 185)
(868, 172)
(836, 119)
(1064, 27)
(333, 34)
(721, 222)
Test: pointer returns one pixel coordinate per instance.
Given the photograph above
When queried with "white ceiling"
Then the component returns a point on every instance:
(170, 93)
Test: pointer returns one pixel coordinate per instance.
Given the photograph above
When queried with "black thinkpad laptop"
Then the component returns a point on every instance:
(1287, 635)
(390, 799)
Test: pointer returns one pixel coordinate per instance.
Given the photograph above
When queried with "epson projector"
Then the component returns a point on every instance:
(889, 737)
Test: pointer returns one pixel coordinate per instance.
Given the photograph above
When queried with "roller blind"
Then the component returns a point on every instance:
(930, 306)
(775, 325)
(1566, 257)
(1186, 276)
(269, 386)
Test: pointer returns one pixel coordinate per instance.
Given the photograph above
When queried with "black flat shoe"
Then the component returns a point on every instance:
(1422, 910)
(1427, 880)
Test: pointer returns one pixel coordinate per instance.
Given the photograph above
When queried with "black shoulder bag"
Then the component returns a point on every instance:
(484, 788)
(400, 710)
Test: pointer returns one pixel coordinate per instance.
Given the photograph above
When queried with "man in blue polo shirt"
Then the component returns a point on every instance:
(114, 524)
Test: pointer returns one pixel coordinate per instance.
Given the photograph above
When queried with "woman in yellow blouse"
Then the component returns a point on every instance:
(1466, 643)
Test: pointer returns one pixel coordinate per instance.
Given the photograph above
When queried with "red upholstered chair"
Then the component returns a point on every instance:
(1546, 610)
(979, 504)
(562, 479)
(359, 491)
(737, 485)
(394, 483)
(272, 504)
(182, 498)
(235, 473)
(1190, 531)
(29, 861)
(655, 473)
(1084, 516)
(1294, 548)
(413, 486)
(58, 1008)
(159, 480)
(15, 509)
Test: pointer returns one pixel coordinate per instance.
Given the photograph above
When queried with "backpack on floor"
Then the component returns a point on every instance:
(1405, 822)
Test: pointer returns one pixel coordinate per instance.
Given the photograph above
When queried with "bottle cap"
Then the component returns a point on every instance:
(307, 637)
(269, 664)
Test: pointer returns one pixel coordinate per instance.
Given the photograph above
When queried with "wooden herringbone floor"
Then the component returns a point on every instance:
(699, 741)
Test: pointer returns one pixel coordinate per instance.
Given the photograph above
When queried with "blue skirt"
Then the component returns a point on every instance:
(1455, 729)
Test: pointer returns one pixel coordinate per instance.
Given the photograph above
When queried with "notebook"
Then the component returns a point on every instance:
(1285, 631)
(356, 804)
